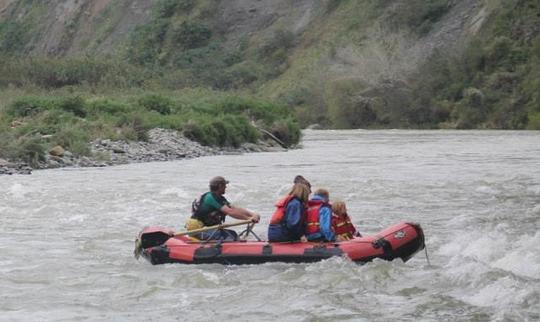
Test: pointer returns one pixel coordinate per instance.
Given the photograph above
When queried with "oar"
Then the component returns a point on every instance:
(221, 226)
(158, 240)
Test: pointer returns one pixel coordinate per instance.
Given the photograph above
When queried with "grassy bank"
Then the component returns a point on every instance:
(34, 120)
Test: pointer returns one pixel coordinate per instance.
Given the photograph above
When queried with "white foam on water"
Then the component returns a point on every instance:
(534, 189)
(479, 228)
(178, 192)
(19, 190)
(503, 293)
(488, 190)
(74, 219)
(485, 247)
(523, 257)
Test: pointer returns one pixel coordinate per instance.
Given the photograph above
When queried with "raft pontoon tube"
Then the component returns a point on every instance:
(160, 246)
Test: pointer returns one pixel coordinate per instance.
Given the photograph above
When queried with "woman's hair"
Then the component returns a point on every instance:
(300, 191)
(339, 208)
(300, 179)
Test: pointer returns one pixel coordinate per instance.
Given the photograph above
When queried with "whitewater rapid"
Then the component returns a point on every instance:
(66, 235)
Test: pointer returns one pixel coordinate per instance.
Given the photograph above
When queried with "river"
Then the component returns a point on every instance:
(66, 235)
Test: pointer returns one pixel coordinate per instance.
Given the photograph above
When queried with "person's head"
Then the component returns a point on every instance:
(218, 185)
(302, 180)
(339, 208)
(323, 193)
(300, 191)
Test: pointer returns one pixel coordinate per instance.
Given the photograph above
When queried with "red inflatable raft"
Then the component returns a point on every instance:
(159, 246)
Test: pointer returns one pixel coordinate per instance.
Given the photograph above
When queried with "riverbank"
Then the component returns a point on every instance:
(162, 145)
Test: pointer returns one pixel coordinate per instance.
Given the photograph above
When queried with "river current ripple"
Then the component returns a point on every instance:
(66, 235)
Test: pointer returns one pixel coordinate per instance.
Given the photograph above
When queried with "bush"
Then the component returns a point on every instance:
(28, 149)
(167, 8)
(133, 127)
(146, 42)
(75, 105)
(26, 106)
(418, 15)
(533, 121)
(287, 131)
(226, 130)
(157, 103)
(50, 73)
(13, 37)
(263, 111)
(192, 34)
(74, 139)
(107, 106)
(281, 39)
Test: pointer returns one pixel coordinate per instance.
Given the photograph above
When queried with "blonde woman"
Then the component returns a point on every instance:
(341, 222)
(288, 222)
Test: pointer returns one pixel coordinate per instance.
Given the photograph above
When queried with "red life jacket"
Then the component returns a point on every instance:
(312, 220)
(281, 205)
(343, 226)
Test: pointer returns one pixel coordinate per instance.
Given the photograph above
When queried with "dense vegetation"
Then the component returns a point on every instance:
(491, 81)
(494, 83)
(31, 124)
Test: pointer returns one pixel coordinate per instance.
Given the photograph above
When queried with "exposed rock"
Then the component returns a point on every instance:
(57, 151)
(162, 145)
(14, 168)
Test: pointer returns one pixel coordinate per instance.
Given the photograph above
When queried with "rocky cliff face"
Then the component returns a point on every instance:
(69, 27)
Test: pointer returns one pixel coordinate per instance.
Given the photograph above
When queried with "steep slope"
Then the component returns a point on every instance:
(69, 27)
(341, 63)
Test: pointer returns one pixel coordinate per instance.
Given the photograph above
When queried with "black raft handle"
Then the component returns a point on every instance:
(386, 246)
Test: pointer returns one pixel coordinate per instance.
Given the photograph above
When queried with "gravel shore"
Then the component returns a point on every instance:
(162, 145)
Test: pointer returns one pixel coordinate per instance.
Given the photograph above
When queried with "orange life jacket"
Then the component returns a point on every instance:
(343, 226)
(281, 207)
(312, 220)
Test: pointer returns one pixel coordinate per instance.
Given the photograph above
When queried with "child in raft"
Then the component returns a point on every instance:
(341, 222)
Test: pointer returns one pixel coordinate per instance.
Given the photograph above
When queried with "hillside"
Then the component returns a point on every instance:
(339, 63)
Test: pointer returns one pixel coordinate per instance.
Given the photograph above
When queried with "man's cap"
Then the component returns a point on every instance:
(218, 180)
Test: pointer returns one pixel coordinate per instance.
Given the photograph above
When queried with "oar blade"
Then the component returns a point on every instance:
(150, 237)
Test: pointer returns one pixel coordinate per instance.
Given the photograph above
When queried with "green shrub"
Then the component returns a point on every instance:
(107, 106)
(281, 39)
(72, 104)
(74, 139)
(29, 149)
(13, 36)
(259, 110)
(418, 15)
(146, 41)
(133, 127)
(332, 5)
(26, 106)
(192, 34)
(533, 121)
(225, 130)
(167, 8)
(287, 131)
(51, 121)
(157, 103)
(194, 131)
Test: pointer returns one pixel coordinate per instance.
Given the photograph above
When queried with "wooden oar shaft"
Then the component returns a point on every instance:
(200, 230)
